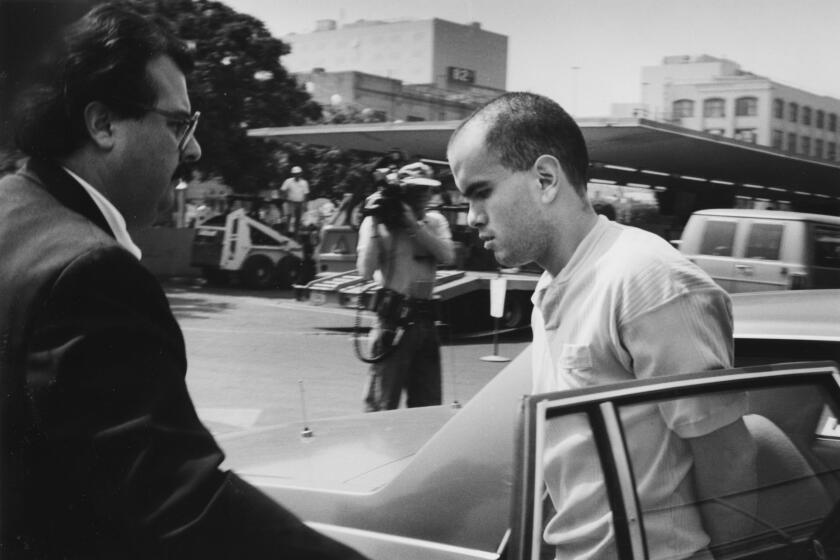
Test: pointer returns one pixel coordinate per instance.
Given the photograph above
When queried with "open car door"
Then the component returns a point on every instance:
(790, 412)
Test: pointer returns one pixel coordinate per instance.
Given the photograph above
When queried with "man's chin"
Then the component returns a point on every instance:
(506, 260)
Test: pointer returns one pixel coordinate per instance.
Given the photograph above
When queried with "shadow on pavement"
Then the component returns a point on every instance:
(447, 337)
(195, 308)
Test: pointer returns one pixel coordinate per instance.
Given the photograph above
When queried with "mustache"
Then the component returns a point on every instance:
(183, 171)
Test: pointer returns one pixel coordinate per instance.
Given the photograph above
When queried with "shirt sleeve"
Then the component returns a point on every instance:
(367, 249)
(698, 324)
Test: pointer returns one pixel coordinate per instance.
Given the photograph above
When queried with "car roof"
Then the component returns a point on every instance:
(769, 215)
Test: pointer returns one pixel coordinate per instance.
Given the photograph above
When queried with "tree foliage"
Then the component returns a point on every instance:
(238, 83)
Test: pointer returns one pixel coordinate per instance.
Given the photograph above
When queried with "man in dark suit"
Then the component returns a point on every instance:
(103, 455)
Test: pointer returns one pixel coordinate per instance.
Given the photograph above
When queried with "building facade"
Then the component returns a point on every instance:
(405, 70)
(716, 96)
(386, 99)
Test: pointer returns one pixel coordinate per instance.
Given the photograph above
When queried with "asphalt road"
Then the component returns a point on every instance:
(261, 358)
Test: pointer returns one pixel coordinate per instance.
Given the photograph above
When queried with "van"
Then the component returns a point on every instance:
(760, 250)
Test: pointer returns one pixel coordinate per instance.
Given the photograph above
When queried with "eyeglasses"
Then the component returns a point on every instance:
(184, 126)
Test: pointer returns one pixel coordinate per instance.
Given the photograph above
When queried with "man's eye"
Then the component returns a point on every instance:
(179, 126)
(481, 194)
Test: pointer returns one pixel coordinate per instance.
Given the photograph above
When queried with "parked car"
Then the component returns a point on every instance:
(466, 483)
(757, 250)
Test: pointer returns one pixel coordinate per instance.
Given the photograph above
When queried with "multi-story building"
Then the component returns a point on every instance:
(715, 95)
(387, 99)
(428, 69)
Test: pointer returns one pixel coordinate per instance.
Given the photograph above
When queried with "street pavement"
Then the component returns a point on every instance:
(262, 358)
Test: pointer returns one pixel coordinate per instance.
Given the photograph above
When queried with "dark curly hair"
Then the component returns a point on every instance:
(101, 57)
(522, 126)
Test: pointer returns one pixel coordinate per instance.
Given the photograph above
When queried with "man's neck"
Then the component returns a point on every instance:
(88, 171)
(569, 235)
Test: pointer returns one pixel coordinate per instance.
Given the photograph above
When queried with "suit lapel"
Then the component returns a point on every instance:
(56, 181)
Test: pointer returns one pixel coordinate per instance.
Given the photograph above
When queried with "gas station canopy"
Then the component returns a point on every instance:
(634, 152)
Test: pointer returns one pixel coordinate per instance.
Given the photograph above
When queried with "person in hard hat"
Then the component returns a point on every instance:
(296, 191)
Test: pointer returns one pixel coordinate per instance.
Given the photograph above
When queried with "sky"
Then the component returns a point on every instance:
(588, 54)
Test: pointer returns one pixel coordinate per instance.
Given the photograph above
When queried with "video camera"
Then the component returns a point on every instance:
(411, 184)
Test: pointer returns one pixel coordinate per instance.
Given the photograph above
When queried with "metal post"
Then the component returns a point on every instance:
(498, 287)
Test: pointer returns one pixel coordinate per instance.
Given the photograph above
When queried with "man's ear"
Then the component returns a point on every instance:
(99, 122)
(551, 177)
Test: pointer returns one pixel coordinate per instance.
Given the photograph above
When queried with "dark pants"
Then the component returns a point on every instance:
(413, 366)
(294, 210)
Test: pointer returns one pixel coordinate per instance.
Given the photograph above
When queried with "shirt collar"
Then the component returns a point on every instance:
(115, 220)
(549, 288)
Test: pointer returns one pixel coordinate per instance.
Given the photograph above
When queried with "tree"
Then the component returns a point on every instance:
(238, 83)
(333, 172)
(351, 113)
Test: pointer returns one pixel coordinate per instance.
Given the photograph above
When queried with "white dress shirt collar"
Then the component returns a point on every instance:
(115, 220)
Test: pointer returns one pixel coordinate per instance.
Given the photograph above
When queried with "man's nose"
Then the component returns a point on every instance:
(192, 151)
(475, 217)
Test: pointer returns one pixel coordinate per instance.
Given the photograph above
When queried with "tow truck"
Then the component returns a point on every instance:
(236, 246)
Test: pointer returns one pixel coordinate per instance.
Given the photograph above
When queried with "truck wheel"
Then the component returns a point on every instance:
(258, 273)
(288, 271)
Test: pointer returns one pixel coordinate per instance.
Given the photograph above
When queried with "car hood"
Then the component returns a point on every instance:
(436, 474)
(358, 453)
(788, 315)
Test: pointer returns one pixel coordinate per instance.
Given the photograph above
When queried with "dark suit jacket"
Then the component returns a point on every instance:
(103, 454)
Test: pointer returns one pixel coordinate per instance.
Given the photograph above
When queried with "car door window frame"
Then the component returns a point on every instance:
(600, 404)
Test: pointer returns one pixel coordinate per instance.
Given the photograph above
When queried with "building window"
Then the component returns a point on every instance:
(793, 112)
(715, 131)
(806, 146)
(683, 108)
(745, 135)
(778, 108)
(818, 148)
(831, 153)
(746, 107)
(791, 144)
(832, 122)
(806, 116)
(714, 107)
(778, 139)
(820, 118)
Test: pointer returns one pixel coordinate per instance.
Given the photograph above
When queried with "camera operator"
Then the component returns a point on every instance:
(404, 243)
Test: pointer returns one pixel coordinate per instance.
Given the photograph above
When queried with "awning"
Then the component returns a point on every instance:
(626, 151)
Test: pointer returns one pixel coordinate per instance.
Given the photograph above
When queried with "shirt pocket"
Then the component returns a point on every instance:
(575, 364)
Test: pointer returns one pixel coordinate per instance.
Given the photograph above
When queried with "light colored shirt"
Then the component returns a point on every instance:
(404, 266)
(296, 189)
(112, 216)
(629, 306)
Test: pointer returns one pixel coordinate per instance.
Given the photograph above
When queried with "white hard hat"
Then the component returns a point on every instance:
(297, 169)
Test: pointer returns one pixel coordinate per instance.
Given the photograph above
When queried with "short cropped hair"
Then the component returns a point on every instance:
(101, 57)
(522, 126)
